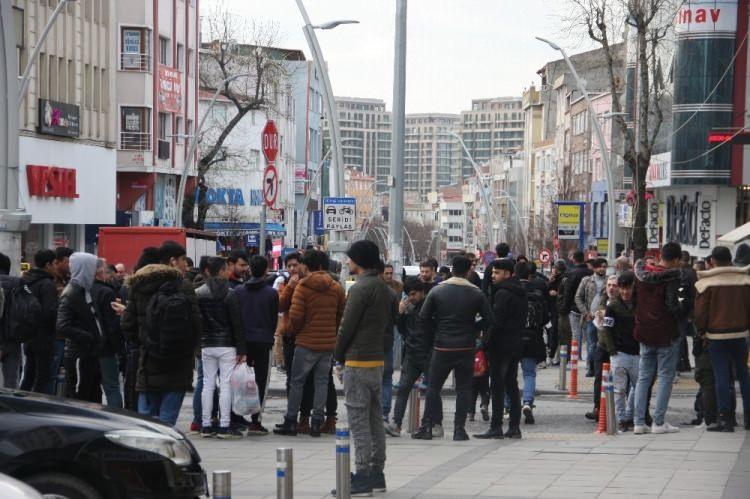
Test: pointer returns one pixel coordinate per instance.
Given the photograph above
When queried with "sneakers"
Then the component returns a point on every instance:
(459, 434)
(640, 429)
(361, 486)
(228, 434)
(664, 428)
(256, 429)
(593, 415)
(723, 425)
(528, 414)
(623, 427)
(485, 412)
(423, 433)
(393, 430)
(377, 480)
(195, 429)
(437, 431)
(208, 432)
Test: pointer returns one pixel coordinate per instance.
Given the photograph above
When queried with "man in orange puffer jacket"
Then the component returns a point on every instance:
(314, 317)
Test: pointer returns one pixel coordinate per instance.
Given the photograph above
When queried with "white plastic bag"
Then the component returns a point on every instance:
(245, 399)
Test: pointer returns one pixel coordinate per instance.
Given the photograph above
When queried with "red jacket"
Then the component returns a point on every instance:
(658, 308)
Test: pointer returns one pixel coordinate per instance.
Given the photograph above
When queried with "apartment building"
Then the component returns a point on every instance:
(366, 131)
(156, 46)
(491, 128)
(67, 126)
(432, 154)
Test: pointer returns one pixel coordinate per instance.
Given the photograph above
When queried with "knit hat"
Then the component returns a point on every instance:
(364, 253)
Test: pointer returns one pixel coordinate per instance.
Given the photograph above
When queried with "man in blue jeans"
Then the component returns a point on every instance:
(166, 337)
(574, 277)
(722, 313)
(658, 310)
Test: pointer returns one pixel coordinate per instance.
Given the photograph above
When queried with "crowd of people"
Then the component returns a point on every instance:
(79, 327)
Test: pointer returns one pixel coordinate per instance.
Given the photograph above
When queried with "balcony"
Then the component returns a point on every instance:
(135, 62)
(135, 141)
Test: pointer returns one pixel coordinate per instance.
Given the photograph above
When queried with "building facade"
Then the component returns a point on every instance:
(432, 154)
(68, 132)
(157, 88)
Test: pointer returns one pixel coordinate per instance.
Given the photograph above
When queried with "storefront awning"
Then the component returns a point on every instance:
(735, 236)
(244, 229)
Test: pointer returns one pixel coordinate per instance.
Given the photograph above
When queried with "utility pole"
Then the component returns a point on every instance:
(396, 208)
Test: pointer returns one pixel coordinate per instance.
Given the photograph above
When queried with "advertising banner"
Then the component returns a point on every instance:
(58, 118)
(170, 89)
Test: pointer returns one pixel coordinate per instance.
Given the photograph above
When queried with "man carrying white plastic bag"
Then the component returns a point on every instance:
(223, 347)
(245, 399)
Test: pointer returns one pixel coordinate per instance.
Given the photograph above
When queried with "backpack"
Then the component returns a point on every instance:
(22, 313)
(169, 323)
(532, 336)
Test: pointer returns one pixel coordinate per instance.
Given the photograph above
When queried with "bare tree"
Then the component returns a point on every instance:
(650, 22)
(235, 48)
(421, 236)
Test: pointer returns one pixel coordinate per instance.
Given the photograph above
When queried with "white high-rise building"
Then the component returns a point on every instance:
(432, 154)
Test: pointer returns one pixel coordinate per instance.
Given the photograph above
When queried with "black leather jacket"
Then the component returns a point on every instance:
(113, 341)
(77, 323)
(510, 306)
(417, 333)
(451, 309)
(221, 315)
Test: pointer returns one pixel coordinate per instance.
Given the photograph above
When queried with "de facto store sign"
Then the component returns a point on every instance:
(67, 182)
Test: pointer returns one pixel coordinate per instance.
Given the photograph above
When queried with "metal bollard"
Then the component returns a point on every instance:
(284, 474)
(412, 422)
(562, 382)
(610, 401)
(222, 488)
(343, 479)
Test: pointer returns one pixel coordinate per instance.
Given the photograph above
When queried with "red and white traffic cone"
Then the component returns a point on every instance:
(602, 427)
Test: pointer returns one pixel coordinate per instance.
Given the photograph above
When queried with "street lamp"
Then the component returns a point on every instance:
(194, 144)
(611, 227)
(24, 78)
(339, 188)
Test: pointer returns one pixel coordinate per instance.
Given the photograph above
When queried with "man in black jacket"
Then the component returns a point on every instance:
(10, 347)
(453, 307)
(502, 250)
(104, 292)
(79, 322)
(504, 348)
(223, 345)
(574, 278)
(37, 375)
(418, 337)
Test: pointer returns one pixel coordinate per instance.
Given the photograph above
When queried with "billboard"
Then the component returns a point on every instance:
(170, 89)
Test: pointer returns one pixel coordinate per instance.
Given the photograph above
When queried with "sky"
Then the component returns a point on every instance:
(456, 50)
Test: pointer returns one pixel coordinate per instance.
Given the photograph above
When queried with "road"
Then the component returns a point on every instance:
(559, 456)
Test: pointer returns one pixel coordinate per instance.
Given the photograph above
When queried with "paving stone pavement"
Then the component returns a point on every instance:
(559, 457)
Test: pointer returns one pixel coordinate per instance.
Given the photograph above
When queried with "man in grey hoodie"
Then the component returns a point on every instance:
(78, 321)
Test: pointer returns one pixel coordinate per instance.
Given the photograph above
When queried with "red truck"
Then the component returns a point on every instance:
(125, 244)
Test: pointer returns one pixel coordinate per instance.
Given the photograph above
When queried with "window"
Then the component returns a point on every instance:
(178, 129)
(163, 143)
(87, 86)
(163, 126)
(189, 62)
(135, 46)
(579, 123)
(135, 129)
(180, 56)
(164, 50)
(189, 129)
(97, 86)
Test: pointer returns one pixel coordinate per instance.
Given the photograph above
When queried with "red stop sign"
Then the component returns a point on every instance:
(270, 138)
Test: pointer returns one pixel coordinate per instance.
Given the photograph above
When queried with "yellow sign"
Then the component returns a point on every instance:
(602, 246)
(569, 221)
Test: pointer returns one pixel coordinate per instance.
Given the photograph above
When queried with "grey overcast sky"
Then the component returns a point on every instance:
(456, 49)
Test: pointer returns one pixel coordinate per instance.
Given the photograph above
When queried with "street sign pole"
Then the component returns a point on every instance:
(262, 242)
(270, 183)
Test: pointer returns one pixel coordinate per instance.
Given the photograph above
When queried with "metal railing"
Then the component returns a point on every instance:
(135, 62)
(135, 141)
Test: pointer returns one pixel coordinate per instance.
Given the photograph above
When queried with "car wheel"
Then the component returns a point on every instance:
(62, 486)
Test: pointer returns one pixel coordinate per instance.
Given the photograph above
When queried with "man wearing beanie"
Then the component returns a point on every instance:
(359, 347)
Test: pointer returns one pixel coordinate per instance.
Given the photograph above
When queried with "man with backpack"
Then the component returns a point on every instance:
(163, 319)
(260, 314)
(32, 316)
(10, 346)
(532, 337)
(503, 344)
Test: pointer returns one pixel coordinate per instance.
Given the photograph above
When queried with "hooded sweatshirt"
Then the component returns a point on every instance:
(77, 319)
(657, 302)
(317, 307)
(260, 310)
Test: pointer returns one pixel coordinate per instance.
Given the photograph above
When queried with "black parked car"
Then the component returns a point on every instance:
(85, 451)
